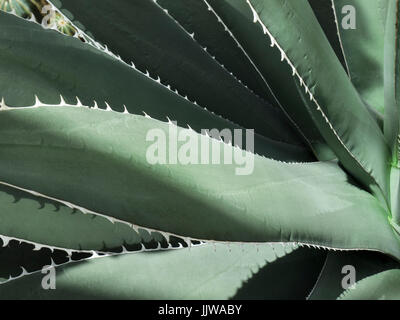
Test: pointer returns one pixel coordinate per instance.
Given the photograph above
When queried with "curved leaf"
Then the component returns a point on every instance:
(382, 286)
(392, 102)
(210, 33)
(72, 68)
(140, 31)
(363, 47)
(175, 274)
(48, 223)
(288, 278)
(238, 19)
(97, 159)
(340, 115)
(19, 259)
(392, 72)
(329, 285)
(326, 17)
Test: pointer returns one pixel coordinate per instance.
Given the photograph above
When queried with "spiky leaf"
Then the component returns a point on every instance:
(99, 160)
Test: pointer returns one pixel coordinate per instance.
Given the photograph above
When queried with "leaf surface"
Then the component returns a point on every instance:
(97, 160)
(72, 68)
(392, 81)
(211, 33)
(382, 286)
(177, 274)
(142, 32)
(339, 114)
(48, 223)
(335, 274)
(238, 19)
(363, 46)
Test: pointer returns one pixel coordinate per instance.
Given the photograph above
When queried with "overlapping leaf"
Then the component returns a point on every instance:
(72, 68)
(363, 45)
(341, 268)
(87, 182)
(203, 272)
(97, 160)
(140, 31)
(382, 286)
(339, 114)
(49, 223)
(212, 34)
(19, 259)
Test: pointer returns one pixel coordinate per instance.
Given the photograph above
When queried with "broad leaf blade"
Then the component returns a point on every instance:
(47, 223)
(335, 275)
(238, 18)
(382, 286)
(326, 18)
(288, 278)
(97, 160)
(140, 31)
(392, 81)
(363, 47)
(203, 272)
(211, 33)
(339, 114)
(72, 68)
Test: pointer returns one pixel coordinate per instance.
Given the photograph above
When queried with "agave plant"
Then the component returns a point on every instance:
(78, 196)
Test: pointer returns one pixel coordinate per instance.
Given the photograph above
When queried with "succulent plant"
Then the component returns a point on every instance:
(318, 98)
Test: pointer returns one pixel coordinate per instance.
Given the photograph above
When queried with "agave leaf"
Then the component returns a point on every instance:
(210, 33)
(47, 223)
(288, 278)
(329, 285)
(377, 116)
(340, 114)
(72, 68)
(381, 286)
(238, 18)
(326, 17)
(97, 160)
(392, 103)
(156, 275)
(330, 18)
(392, 86)
(148, 36)
(363, 47)
(19, 259)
